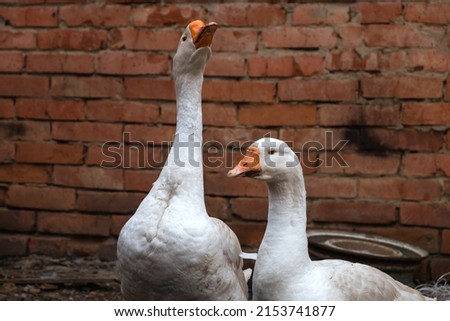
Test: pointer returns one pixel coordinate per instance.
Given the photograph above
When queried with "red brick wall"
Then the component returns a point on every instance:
(75, 75)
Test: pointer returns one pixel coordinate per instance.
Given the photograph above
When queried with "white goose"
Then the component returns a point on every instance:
(170, 249)
(283, 269)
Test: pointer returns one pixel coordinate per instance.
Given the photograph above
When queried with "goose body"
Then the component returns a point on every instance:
(283, 269)
(170, 249)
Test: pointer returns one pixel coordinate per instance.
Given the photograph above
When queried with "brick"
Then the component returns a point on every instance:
(149, 88)
(421, 214)
(49, 109)
(10, 39)
(277, 115)
(218, 184)
(399, 189)
(52, 198)
(447, 139)
(299, 37)
(425, 238)
(350, 60)
(12, 62)
(235, 40)
(90, 87)
(353, 212)
(32, 108)
(24, 86)
(234, 137)
(309, 14)
(402, 87)
(309, 65)
(19, 173)
(363, 164)
(264, 14)
(423, 165)
(109, 202)
(250, 208)
(406, 139)
(447, 90)
(429, 60)
(232, 14)
(312, 139)
(135, 156)
(17, 220)
(225, 65)
(6, 108)
(140, 180)
(402, 36)
(25, 130)
(49, 153)
(117, 222)
(422, 190)
(330, 187)
(242, 14)
(393, 61)
(58, 246)
(121, 63)
(30, 16)
(88, 177)
(379, 12)
(424, 113)
(73, 224)
(94, 15)
(150, 134)
(13, 245)
(52, 246)
(217, 207)
(354, 115)
(60, 63)
(439, 267)
(445, 242)
(168, 15)
(219, 115)
(7, 152)
(218, 159)
(429, 13)
(351, 35)
(68, 39)
(126, 111)
(91, 132)
(249, 234)
(318, 90)
(144, 39)
(279, 66)
(443, 163)
(242, 91)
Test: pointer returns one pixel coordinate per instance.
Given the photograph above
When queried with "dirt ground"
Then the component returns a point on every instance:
(45, 278)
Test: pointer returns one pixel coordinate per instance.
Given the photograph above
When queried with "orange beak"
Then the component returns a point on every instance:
(249, 166)
(202, 34)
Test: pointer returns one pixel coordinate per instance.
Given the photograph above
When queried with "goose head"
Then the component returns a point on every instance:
(193, 48)
(268, 159)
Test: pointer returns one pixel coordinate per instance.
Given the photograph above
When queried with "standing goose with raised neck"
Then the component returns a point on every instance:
(283, 269)
(170, 249)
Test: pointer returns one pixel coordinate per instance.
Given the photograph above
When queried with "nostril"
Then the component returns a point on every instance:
(244, 164)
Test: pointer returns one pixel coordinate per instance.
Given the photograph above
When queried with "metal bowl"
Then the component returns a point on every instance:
(382, 252)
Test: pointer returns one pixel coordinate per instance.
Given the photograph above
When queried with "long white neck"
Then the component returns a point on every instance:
(285, 236)
(184, 163)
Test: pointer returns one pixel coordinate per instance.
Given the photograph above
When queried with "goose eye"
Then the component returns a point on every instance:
(272, 151)
(184, 38)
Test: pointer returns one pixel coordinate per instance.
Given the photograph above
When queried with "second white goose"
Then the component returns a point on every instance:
(283, 269)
